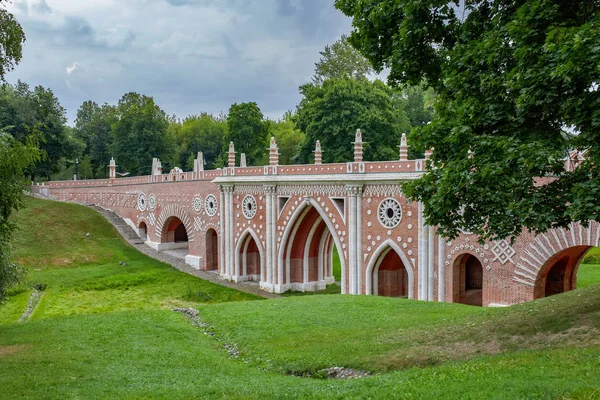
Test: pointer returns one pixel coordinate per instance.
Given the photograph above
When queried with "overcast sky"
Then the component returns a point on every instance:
(190, 55)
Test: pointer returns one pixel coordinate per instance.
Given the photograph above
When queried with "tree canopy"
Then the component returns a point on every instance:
(341, 60)
(140, 133)
(11, 41)
(246, 129)
(517, 86)
(333, 111)
(205, 133)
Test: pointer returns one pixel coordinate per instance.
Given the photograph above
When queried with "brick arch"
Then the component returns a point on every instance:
(389, 245)
(559, 272)
(468, 280)
(170, 211)
(538, 251)
(239, 250)
(296, 218)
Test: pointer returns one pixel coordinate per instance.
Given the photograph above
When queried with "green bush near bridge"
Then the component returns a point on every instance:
(103, 330)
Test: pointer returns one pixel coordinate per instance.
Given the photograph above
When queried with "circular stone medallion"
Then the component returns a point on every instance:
(249, 207)
(152, 202)
(142, 202)
(389, 213)
(210, 205)
(197, 204)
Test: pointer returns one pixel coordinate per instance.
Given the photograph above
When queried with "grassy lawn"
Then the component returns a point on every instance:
(84, 275)
(104, 330)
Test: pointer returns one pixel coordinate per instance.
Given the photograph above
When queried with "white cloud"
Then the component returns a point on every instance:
(72, 67)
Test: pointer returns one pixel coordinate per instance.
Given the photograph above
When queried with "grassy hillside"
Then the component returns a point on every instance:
(84, 275)
(103, 330)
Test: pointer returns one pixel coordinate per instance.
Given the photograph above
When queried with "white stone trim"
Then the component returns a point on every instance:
(384, 177)
(245, 242)
(194, 261)
(284, 241)
(375, 262)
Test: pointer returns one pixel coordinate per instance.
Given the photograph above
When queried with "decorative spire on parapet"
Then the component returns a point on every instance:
(318, 158)
(112, 169)
(243, 160)
(358, 146)
(403, 148)
(273, 152)
(428, 153)
(199, 163)
(231, 155)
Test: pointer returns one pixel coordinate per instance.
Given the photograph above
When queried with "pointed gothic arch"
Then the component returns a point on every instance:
(378, 257)
(309, 215)
(249, 257)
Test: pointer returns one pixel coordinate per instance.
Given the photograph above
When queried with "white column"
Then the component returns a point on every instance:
(431, 264)
(354, 240)
(423, 256)
(351, 243)
(441, 268)
(231, 239)
(359, 252)
(270, 244)
(222, 261)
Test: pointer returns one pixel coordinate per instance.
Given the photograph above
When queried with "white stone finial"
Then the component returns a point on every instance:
(318, 154)
(273, 152)
(403, 148)
(231, 155)
(358, 146)
(243, 160)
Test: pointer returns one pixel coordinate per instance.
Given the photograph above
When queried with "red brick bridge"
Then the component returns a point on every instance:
(280, 225)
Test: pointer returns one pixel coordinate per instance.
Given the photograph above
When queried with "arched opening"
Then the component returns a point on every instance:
(559, 273)
(143, 230)
(390, 277)
(308, 253)
(212, 250)
(174, 238)
(468, 280)
(249, 257)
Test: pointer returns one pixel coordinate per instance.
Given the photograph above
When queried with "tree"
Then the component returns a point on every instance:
(333, 111)
(205, 133)
(287, 136)
(15, 157)
(93, 126)
(23, 109)
(341, 60)
(11, 41)
(140, 133)
(517, 86)
(246, 129)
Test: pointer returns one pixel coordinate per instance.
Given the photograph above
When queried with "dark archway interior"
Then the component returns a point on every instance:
(559, 273)
(212, 250)
(250, 257)
(392, 277)
(468, 281)
(175, 232)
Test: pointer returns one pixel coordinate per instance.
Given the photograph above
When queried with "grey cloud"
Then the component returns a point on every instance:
(258, 50)
(41, 7)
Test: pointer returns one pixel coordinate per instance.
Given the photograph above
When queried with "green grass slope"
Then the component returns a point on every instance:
(84, 275)
(103, 330)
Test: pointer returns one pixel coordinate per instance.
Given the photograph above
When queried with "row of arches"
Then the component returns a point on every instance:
(306, 260)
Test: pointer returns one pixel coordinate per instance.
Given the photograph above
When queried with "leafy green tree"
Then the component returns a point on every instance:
(341, 60)
(247, 130)
(23, 109)
(11, 41)
(287, 136)
(334, 111)
(140, 132)
(93, 127)
(205, 133)
(518, 88)
(15, 158)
